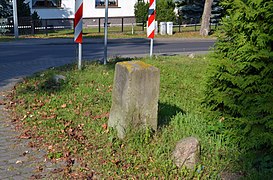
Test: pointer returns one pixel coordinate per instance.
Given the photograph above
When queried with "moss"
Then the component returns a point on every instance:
(132, 65)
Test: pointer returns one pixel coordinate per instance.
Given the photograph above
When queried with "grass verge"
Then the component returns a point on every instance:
(69, 119)
(87, 33)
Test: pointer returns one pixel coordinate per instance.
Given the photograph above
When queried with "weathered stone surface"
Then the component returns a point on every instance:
(187, 152)
(135, 96)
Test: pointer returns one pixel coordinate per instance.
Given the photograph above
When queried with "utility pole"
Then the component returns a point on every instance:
(15, 19)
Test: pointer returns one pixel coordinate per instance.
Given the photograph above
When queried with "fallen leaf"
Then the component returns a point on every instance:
(63, 106)
(19, 162)
(104, 115)
(57, 170)
(25, 153)
(2, 103)
(25, 116)
(50, 147)
(104, 126)
(38, 176)
(25, 135)
(39, 169)
(87, 113)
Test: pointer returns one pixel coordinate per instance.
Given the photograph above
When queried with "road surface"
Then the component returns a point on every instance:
(26, 56)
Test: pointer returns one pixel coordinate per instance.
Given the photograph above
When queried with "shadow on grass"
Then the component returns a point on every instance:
(166, 112)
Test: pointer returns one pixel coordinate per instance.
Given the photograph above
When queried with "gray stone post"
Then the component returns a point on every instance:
(134, 97)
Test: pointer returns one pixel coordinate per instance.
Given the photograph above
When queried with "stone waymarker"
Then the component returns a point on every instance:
(135, 96)
(187, 152)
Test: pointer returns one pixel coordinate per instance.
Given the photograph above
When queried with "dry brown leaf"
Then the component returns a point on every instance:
(104, 126)
(104, 115)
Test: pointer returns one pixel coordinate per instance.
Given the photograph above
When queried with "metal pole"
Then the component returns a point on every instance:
(122, 24)
(15, 19)
(105, 32)
(99, 25)
(46, 27)
(80, 57)
(151, 47)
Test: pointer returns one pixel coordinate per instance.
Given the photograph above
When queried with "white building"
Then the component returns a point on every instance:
(56, 9)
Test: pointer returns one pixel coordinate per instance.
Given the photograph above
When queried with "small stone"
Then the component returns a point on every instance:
(191, 55)
(58, 78)
(187, 153)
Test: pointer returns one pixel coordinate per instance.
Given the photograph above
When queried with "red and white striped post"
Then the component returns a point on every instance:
(151, 24)
(78, 28)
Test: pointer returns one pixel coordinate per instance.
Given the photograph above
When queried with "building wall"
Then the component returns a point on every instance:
(125, 8)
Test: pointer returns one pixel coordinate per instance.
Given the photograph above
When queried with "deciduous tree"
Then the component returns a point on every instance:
(205, 23)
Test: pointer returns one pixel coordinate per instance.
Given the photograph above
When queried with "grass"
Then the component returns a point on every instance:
(71, 118)
(6, 38)
(113, 33)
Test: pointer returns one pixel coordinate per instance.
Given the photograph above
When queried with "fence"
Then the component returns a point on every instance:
(28, 26)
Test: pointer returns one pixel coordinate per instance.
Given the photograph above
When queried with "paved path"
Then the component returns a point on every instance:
(18, 160)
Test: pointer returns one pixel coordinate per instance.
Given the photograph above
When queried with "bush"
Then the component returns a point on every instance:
(240, 80)
(164, 11)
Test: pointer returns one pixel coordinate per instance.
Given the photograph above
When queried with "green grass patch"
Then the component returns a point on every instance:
(70, 117)
(115, 32)
(6, 38)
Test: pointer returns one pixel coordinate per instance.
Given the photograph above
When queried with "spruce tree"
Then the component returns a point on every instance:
(240, 81)
(23, 9)
(190, 11)
(216, 12)
(5, 9)
(5, 12)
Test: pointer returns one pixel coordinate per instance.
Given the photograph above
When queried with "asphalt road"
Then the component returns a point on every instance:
(27, 56)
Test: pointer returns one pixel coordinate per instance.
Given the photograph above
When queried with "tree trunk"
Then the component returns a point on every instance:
(205, 25)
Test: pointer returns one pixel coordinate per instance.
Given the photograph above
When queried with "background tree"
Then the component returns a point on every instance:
(164, 11)
(23, 9)
(217, 12)
(141, 11)
(189, 11)
(5, 12)
(205, 23)
(240, 80)
(5, 9)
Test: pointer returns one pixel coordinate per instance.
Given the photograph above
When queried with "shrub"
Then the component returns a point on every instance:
(240, 80)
